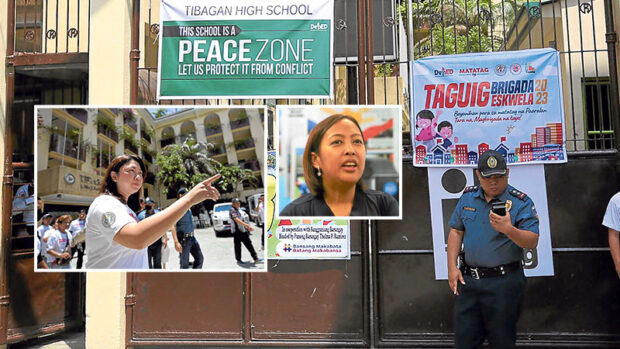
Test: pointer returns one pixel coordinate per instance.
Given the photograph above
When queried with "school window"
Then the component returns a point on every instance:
(597, 110)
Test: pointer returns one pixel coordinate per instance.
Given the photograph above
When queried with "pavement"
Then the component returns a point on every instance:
(66, 340)
(218, 253)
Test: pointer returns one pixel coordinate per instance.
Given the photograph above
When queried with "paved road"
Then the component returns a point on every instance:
(218, 252)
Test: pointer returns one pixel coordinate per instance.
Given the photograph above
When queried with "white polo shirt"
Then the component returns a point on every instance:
(106, 216)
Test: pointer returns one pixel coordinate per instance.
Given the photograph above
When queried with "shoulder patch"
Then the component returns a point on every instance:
(518, 194)
(108, 219)
(470, 189)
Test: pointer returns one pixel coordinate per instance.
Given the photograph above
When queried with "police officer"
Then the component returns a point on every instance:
(490, 282)
(184, 240)
(154, 249)
(241, 231)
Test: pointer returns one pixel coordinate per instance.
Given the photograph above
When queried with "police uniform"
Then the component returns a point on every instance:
(240, 235)
(185, 235)
(490, 301)
(154, 249)
(488, 304)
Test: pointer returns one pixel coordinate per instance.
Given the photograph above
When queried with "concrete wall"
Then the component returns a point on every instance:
(109, 52)
(109, 76)
(105, 310)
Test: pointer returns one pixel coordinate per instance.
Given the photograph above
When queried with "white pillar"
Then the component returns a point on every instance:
(105, 310)
(43, 137)
(199, 124)
(228, 137)
(120, 146)
(258, 133)
(90, 136)
(110, 44)
(109, 76)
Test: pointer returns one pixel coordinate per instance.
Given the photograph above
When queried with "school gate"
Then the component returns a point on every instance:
(386, 295)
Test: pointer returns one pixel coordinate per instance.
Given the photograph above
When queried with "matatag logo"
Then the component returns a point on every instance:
(474, 71)
(318, 26)
(444, 72)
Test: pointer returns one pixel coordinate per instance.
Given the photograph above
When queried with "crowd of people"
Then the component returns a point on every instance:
(58, 239)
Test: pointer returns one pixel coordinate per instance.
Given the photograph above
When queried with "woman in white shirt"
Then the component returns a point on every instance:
(114, 237)
(59, 244)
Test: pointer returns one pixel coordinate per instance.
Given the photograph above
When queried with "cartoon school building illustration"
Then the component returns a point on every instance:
(545, 144)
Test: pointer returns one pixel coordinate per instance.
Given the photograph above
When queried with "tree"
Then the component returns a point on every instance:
(185, 165)
(171, 173)
(459, 26)
(232, 176)
(160, 112)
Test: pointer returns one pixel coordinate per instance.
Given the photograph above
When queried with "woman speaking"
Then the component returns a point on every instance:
(334, 161)
(114, 237)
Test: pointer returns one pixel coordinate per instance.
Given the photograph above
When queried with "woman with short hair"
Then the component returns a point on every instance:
(59, 244)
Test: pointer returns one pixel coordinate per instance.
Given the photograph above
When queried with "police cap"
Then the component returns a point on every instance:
(491, 163)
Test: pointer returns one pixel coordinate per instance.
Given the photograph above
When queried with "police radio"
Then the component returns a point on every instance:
(499, 208)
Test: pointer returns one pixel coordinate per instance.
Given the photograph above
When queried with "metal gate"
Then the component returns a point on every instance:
(47, 63)
(395, 300)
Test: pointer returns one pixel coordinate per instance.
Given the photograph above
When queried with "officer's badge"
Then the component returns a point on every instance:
(508, 205)
(518, 194)
(492, 162)
(108, 219)
(470, 189)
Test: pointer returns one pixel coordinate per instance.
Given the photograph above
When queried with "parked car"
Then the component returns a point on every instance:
(221, 218)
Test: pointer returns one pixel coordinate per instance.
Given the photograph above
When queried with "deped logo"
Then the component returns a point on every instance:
(443, 72)
(318, 26)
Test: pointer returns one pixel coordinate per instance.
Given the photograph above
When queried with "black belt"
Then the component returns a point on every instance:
(191, 235)
(482, 272)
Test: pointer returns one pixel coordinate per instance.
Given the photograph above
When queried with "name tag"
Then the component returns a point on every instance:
(469, 209)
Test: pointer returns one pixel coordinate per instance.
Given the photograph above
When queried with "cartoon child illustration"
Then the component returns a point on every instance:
(427, 121)
(444, 131)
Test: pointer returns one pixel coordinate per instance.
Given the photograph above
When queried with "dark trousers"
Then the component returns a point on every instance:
(488, 308)
(191, 246)
(154, 255)
(80, 248)
(262, 235)
(240, 237)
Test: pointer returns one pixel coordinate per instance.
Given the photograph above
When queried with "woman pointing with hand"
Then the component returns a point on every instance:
(114, 237)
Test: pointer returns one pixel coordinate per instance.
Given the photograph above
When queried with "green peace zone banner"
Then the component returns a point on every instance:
(217, 51)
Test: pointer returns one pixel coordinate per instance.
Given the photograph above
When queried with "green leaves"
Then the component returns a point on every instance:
(185, 165)
(232, 176)
(460, 26)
